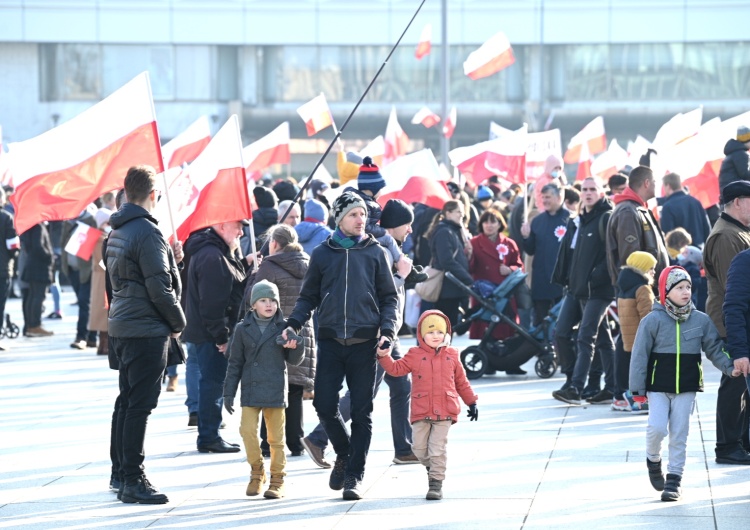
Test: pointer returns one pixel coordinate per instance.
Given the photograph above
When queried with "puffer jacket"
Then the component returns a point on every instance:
(736, 163)
(447, 248)
(145, 282)
(286, 270)
(634, 302)
(438, 378)
(311, 235)
(260, 363)
(667, 354)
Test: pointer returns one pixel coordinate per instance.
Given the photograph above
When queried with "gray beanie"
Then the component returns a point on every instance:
(346, 202)
(264, 289)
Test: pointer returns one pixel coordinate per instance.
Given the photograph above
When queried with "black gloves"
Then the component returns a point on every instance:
(229, 404)
(472, 413)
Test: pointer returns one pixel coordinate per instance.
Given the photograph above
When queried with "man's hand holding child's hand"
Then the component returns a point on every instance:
(288, 339)
(384, 346)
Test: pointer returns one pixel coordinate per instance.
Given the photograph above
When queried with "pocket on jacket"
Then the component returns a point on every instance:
(420, 405)
(454, 409)
(691, 339)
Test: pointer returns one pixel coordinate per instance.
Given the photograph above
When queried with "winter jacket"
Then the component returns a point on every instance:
(447, 248)
(286, 270)
(263, 219)
(215, 285)
(728, 238)
(634, 301)
(547, 232)
(561, 272)
(589, 277)
(666, 354)
(311, 235)
(682, 210)
(260, 363)
(736, 163)
(145, 282)
(737, 306)
(632, 227)
(351, 289)
(98, 307)
(438, 379)
(423, 216)
(9, 244)
(38, 265)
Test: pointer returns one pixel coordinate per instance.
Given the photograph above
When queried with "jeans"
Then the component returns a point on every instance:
(213, 371)
(400, 390)
(32, 304)
(192, 379)
(355, 363)
(142, 363)
(731, 415)
(594, 333)
(294, 427)
(83, 295)
(570, 315)
(622, 369)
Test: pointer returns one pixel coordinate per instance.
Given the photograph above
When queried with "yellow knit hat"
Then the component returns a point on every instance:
(347, 170)
(432, 323)
(643, 261)
(743, 134)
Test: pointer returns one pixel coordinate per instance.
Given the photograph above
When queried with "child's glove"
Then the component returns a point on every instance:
(473, 412)
(229, 404)
(290, 335)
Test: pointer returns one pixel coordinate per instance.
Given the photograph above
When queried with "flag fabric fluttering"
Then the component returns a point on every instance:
(58, 173)
(504, 157)
(450, 123)
(83, 240)
(273, 148)
(316, 114)
(584, 163)
(593, 135)
(425, 42)
(494, 55)
(426, 117)
(609, 162)
(396, 141)
(186, 146)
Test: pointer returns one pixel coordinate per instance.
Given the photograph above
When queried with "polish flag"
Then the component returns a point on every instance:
(609, 162)
(273, 148)
(425, 42)
(593, 135)
(375, 150)
(637, 149)
(450, 124)
(396, 141)
(316, 114)
(677, 129)
(425, 117)
(82, 241)
(584, 163)
(186, 146)
(415, 177)
(58, 173)
(493, 56)
(504, 157)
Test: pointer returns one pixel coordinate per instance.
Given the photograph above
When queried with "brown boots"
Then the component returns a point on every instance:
(435, 492)
(276, 488)
(257, 479)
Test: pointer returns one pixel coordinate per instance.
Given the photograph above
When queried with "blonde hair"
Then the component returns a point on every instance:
(286, 237)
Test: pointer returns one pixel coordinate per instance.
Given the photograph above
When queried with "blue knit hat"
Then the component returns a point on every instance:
(369, 177)
(315, 211)
(484, 193)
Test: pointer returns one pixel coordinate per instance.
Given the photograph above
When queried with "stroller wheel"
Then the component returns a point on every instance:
(13, 331)
(546, 366)
(475, 361)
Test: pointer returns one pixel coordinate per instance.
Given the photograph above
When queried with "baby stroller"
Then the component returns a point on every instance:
(491, 354)
(10, 329)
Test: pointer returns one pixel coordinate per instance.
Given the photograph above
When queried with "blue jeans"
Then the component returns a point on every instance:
(355, 363)
(192, 379)
(400, 389)
(213, 368)
(593, 333)
(83, 295)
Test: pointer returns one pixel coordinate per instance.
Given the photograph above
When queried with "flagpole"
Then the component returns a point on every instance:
(339, 132)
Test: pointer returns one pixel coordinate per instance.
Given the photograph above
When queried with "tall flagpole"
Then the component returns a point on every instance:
(444, 142)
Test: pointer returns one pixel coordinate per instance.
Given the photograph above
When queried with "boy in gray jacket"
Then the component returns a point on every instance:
(258, 359)
(666, 367)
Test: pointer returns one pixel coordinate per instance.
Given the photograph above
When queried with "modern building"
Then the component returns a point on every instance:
(635, 62)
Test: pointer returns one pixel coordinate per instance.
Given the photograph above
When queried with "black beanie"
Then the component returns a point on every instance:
(285, 190)
(395, 214)
(264, 197)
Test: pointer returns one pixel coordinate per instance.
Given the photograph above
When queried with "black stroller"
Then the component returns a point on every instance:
(491, 354)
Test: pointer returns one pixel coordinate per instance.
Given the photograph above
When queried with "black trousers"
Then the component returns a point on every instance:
(32, 304)
(294, 427)
(732, 416)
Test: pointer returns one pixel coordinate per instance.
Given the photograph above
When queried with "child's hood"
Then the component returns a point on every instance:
(630, 277)
(448, 333)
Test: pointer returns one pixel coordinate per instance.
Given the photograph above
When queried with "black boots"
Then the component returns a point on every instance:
(671, 488)
(142, 492)
(655, 475)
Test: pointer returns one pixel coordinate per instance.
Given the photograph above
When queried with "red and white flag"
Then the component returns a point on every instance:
(678, 129)
(584, 163)
(415, 177)
(426, 117)
(273, 148)
(450, 124)
(609, 162)
(593, 135)
(58, 173)
(504, 157)
(316, 114)
(82, 241)
(5, 175)
(425, 42)
(396, 141)
(186, 146)
(493, 56)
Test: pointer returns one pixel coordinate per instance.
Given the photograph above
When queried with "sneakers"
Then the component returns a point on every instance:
(621, 405)
(604, 397)
(352, 488)
(39, 331)
(406, 459)
(336, 482)
(142, 492)
(114, 483)
(738, 457)
(655, 475)
(635, 407)
(590, 391)
(78, 344)
(54, 315)
(316, 453)
(570, 395)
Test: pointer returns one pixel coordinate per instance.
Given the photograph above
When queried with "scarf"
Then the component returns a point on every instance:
(343, 240)
(680, 314)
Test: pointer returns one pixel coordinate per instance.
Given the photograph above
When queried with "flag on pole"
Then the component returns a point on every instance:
(58, 173)
(584, 163)
(493, 56)
(396, 141)
(425, 42)
(593, 135)
(186, 146)
(273, 148)
(316, 114)
(375, 150)
(609, 162)
(450, 124)
(504, 157)
(83, 240)
(677, 129)
(426, 117)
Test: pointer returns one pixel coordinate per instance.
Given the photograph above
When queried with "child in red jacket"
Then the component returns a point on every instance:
(439, 378)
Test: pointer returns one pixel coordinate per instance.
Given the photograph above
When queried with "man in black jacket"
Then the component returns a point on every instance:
(144, 313)
(215, 285)
(349, 282)
(9, 245)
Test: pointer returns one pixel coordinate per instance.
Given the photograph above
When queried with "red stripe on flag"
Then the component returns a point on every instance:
(276, 155)
(496, 64)
(188, 153)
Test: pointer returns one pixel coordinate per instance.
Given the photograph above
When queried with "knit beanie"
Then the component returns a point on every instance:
(669, 278)
(369, 177)
(484, 193)
(396, 213)
(344, 203)
(285, 190)
(347, 166)
(315, 211)
(264, 197)
(102, 216)
(264, 289)
(743, 134)
(432, 322)
(643, 261)
(317, 187)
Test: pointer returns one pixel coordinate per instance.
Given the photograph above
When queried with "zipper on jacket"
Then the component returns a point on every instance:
(700, 374)
(346, 289)
(677, 374)
(653, 372)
